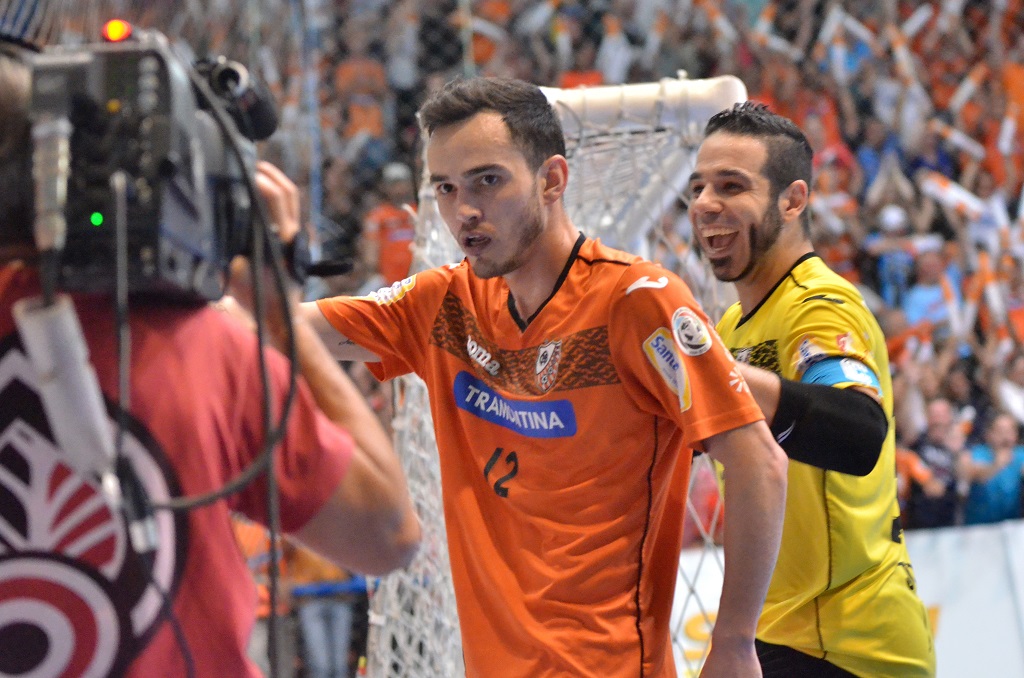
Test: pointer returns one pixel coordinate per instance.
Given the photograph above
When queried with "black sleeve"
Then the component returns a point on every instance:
(837, 429)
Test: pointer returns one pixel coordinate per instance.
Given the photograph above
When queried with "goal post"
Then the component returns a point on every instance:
(630, 150)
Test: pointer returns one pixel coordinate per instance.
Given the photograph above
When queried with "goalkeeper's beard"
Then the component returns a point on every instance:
(760, 238)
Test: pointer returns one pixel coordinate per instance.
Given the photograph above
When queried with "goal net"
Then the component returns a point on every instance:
(630, 149)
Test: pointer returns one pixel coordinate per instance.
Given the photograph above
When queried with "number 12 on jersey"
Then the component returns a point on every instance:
(511, 462)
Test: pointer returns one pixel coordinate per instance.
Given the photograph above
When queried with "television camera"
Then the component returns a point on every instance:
(183, 138)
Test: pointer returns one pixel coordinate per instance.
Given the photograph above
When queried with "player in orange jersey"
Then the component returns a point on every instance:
(569, 382)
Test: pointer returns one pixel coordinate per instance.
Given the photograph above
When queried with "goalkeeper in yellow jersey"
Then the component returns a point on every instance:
(842, 600)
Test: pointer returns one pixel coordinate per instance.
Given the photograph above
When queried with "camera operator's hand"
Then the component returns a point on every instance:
(281, 197)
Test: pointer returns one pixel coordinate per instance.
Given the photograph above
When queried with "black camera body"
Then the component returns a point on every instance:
(134, 106)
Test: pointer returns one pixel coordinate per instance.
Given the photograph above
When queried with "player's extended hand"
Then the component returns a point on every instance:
(732, 659)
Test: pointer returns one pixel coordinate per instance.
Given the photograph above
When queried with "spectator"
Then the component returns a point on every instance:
(933, 298)
(389, 228)
(994, 470)
(935, 502)
(324, 597)
(254, 543)
(360, 83)
(876, 143)
(894, 249)
(1008, 388)
(971, 403)
(340, 231)
(583, 72)
(403, 50)
(909, 470)
(932, 156)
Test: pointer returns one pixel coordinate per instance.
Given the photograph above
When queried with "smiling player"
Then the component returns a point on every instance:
(842, 600)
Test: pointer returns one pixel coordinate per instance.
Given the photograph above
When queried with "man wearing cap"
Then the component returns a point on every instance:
(389, 228)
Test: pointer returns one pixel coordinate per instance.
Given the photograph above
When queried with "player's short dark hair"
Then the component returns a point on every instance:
(532, 123)
(16, 187)
(789, 154)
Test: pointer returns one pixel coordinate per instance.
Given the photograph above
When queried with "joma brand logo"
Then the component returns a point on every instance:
(482, 356)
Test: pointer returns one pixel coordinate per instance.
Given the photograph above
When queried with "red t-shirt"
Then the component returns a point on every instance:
(195, 422)
(563, 451)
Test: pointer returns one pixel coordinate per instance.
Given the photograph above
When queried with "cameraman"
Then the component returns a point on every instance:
(74, 597)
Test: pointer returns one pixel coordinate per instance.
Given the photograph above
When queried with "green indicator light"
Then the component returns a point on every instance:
(96, 218)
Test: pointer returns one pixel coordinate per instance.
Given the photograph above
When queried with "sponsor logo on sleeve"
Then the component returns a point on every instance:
(482, 357)
(531, 418)
(808, 353)
(845, 342)
(386, 296)
(548, 356)
(646, 282)
(662, 353)
(691, 334)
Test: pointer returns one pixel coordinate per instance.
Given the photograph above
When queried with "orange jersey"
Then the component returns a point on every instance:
(393, 228)
(563, 451)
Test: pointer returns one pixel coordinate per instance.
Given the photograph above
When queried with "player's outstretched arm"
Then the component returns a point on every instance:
(755, 504)
(340, 346)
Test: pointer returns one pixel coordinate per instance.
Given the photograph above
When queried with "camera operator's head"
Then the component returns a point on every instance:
(16, 212)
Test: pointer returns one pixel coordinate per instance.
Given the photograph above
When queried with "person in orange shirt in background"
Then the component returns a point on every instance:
(253, 542)
(584, 72)
(389, 228)
(361, 87)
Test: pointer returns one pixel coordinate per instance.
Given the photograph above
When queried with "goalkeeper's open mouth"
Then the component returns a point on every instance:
(717, 240)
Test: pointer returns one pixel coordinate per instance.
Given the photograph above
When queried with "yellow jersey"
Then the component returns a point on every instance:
(843, 588)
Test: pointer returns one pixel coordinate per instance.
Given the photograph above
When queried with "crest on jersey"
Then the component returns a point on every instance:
(548, 356)
(690, 332)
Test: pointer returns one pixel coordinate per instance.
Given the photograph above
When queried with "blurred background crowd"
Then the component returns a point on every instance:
(914, 111)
